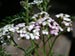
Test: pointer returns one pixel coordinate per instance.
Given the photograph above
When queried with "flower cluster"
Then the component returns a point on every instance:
(42, 23)
(28, 32)
(47, 21)
(65, 20)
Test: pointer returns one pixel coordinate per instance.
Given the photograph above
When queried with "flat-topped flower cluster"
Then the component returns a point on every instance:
(42, 24)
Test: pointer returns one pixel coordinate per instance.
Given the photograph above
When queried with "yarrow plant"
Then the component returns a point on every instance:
(40, 25)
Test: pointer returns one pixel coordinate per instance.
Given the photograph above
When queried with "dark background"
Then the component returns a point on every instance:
(62, 6)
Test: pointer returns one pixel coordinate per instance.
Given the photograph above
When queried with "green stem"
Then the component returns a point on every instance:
(45, 3)
(49, 42)
(30, 51)
(27, 12)
(48, 39)
(16, 45)
(43, 40)
(50, 50)
(26, 19)
(33, 47)
(36, 49)
(44, 50)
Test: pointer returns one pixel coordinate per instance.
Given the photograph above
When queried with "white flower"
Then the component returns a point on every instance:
(37, 34)
(66, 19)
(12, 29)
(69, 29)
(20, 25)
(40, 21)
(2, 41)
(36, 37)
(30, 27)
(20, 31)
(66, 15)
(54, 32)
(37, 27)
(32, 23)
(45, 32)
(50, 19)
(46, 14)
(60, 15)
(16, 28)
(8, 37)
(4, 32)
(35, 15)
(27, 36)
(66, 23)
(61, 29)
(34, 31)
(32, 36)
(6, 28)
(22, 35)
(44, 23)
(24, 31)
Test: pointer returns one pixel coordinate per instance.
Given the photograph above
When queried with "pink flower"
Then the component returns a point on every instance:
(54, 28)
(54, 32)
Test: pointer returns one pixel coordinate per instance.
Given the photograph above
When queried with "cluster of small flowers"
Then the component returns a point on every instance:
(22, 30)
(28, 32)
(66, 21)
(31, 31)
(45, 20)
(43, 23)
(5, 34)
